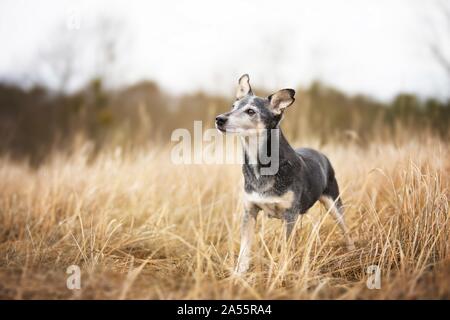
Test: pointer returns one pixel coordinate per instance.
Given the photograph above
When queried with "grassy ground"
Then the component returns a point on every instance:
(141, 227)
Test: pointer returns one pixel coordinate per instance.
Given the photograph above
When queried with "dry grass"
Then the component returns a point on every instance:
(140, 227)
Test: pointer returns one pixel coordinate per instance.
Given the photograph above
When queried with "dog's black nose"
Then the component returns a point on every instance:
(220, 120)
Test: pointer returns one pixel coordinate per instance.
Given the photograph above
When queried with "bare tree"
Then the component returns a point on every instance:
(55, 63)
(440, 46)
(109, 39)
(73, 56)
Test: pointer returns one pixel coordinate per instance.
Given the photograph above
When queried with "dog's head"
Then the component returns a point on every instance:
(253, 114)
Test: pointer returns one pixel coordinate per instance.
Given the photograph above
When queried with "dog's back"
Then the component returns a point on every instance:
(313, 156)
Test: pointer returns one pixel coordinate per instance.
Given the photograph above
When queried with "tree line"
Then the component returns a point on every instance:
(36, 121)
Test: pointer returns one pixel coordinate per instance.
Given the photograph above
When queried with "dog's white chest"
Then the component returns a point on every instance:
(273, 206)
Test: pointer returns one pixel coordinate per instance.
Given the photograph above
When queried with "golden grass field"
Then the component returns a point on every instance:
(141, 227)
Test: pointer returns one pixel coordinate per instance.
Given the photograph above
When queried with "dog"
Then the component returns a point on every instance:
(303, 176)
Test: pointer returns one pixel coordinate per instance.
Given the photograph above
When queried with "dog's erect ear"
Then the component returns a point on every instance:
(281, 100)
(243, 87)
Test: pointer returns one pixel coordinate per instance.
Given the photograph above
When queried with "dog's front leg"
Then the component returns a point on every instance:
(290, 217)
(247, 233)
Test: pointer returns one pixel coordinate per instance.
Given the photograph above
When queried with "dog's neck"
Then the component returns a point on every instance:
(261, 149)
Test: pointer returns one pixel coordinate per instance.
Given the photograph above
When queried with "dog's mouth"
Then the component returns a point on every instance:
(227, 129)
(221, 128)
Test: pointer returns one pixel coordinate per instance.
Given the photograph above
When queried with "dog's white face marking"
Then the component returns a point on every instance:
(274, 206)
(251, 114)
(241, 122)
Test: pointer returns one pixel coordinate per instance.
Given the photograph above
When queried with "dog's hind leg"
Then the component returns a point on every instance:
(330, 199)
(247, 233)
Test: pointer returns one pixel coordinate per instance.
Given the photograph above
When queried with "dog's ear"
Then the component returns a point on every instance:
(243, 87)
(281, 100)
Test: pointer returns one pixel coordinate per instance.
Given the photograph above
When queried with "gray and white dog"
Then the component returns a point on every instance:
(303, 176)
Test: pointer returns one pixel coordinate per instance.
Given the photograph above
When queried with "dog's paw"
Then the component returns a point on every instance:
(240, 270)
(237, 274)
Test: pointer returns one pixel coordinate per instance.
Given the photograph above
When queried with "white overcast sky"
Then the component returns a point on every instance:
(376, 47)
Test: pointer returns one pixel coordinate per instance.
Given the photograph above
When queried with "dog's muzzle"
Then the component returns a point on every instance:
(221, 121)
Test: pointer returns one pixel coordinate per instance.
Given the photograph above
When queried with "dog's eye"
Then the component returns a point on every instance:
(250, 112)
